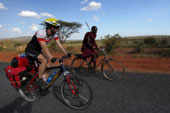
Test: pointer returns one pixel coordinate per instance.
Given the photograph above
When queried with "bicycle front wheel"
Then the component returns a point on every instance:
(77, 93)
(113, 69)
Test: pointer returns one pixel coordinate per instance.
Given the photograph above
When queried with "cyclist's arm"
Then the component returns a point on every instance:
(45, 49)
(61, 46)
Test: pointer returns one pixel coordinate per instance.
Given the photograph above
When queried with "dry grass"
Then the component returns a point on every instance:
(161, 48)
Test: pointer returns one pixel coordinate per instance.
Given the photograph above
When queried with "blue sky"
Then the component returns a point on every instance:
(126, 17)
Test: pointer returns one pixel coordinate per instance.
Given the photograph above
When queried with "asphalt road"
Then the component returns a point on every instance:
(136, 93)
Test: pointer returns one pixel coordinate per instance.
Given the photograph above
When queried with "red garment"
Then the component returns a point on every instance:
(85, 45)
(87, 49)
(89, 52)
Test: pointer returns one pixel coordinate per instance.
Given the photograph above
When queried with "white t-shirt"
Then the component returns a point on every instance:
(42, 36)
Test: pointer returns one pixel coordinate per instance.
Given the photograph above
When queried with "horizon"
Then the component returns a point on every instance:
(127, 18)
(96, 39)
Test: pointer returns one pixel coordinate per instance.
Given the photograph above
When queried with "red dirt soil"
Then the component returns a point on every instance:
(132, 64)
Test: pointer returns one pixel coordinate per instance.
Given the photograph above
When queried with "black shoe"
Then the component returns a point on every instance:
(42, 84)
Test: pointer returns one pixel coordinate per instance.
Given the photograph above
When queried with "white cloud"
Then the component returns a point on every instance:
(46, 14)
(84, 1)
(83, 26)
(92, 6)
(34, 27)
(17, 29)
(33, 14)
(95, 18)
(2, 6)
(150, 20)
(28, 14)
(0, 26)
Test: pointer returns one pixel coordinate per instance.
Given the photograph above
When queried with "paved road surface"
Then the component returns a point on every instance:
(136, 93)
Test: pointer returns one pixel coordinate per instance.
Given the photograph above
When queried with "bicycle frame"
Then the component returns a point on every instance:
(56, 75)
(61, 70)
(102, 60)
(67, 75)
(105, 57)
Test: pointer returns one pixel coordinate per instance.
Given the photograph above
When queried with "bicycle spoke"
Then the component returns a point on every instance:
(82, 97)
(29, 95)
(113, 69)
(109, 66)
(81, 67)
(32, 93)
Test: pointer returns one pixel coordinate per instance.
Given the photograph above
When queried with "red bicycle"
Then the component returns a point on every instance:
(75, 92)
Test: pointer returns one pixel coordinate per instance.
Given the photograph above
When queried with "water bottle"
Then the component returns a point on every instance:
(51, 77)
(22, 55)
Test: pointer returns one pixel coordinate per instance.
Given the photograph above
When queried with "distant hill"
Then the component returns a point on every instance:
(149, 36)
(21, 39)
(28, 38)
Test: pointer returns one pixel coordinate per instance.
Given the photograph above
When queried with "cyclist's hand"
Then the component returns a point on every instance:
(53, 59)
(68, 55)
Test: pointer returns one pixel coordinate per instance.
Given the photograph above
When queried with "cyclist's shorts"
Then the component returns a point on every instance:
(32, 53)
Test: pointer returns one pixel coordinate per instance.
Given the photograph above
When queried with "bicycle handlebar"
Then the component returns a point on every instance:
(54, 59)
(103, 50)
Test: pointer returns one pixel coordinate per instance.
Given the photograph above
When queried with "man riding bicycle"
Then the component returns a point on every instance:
(37, 47)
(89, 46)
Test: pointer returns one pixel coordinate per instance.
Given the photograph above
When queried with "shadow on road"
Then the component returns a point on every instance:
(57, 93)
(18, 105)
(97, 74)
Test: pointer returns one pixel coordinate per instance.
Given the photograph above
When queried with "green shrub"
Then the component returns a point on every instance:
(138, 46)
(111, 42)
(164, 53)
(53, 46)
(164, 41)
(1, 48)
(16, 44)
(69, 48)
(150, 40)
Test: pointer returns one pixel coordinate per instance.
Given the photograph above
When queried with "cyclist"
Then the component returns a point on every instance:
(89, 45)
(37, 47)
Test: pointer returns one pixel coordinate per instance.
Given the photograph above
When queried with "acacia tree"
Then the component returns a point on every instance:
(67, 29)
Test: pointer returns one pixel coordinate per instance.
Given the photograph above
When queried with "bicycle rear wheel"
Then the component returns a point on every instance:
(112, 69)
(82, 96)
(81, 66)
(30, 95)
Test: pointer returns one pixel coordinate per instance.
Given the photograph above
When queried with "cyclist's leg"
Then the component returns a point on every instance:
(42, 66)
(46, 72)
(37, 55)
(94, 58)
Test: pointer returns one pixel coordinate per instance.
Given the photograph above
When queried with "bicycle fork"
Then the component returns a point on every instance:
(71, 84)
